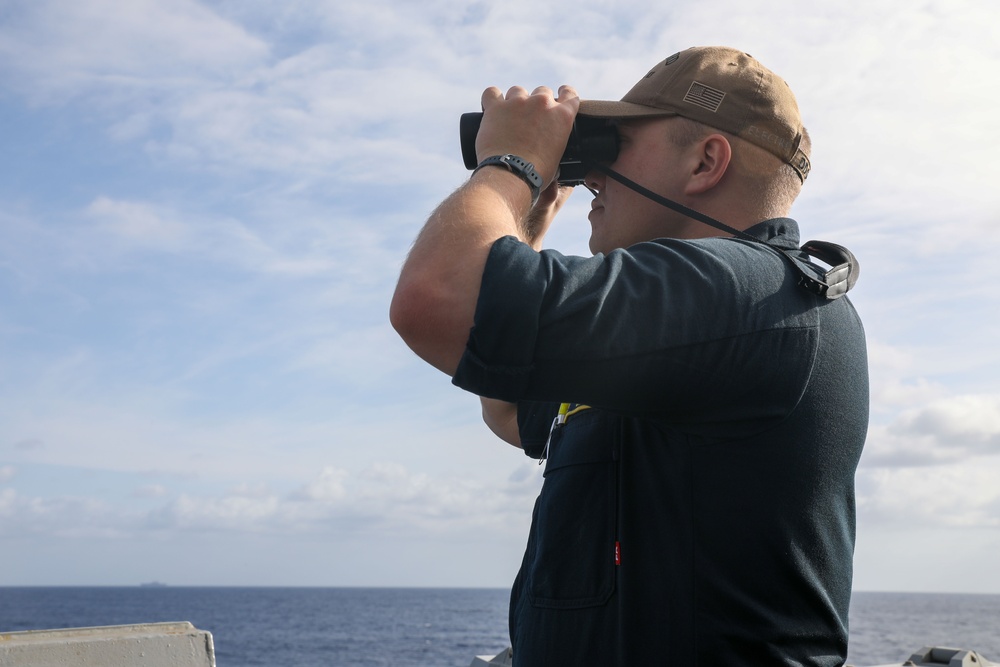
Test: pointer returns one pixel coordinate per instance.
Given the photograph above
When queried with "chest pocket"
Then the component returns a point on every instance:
(573, 564)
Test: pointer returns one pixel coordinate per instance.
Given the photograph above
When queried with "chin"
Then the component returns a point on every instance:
(594, 243)
(597, 243)
(596, 247)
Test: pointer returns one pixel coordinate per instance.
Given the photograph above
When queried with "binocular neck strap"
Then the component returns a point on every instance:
(830, 284)
(671, 204)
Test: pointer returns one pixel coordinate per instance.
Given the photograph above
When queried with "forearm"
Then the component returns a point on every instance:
(501, 417)
(435, 300)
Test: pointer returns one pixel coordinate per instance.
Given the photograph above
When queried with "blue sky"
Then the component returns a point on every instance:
(204, 207)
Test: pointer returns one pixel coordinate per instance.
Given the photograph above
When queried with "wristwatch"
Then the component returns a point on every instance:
(519, 166)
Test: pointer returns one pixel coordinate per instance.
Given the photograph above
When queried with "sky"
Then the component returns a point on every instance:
(204, 206)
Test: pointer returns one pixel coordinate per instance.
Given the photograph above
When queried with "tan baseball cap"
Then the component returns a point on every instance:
(723, 88)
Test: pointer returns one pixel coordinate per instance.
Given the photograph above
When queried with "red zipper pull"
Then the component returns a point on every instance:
(618, 552)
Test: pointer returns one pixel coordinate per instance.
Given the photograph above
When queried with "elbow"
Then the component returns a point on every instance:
(426, 323)
(405, 313)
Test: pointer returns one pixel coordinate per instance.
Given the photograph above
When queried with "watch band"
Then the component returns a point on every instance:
(519, 166)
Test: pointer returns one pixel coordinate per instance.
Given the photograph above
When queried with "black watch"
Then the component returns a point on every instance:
(519, 166)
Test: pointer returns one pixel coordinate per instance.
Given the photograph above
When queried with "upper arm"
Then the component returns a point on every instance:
(432, 318)
(435, 299)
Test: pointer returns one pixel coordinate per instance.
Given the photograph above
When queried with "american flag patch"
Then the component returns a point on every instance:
(705, 97)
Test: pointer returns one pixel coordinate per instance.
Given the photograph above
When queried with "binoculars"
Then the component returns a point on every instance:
(591, 140)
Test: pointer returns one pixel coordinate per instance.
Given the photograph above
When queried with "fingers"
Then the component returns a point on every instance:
(493, 94)
(567, 93)
(553, 197)
(490, 95)
(548, 196)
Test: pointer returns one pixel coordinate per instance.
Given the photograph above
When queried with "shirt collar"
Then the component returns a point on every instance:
(778, 232)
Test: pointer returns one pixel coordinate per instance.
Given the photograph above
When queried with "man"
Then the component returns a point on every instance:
(701, 412)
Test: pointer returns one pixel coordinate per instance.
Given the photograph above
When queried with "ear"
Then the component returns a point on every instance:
(712, 156)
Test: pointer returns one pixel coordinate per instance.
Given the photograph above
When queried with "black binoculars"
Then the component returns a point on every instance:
(591, 140)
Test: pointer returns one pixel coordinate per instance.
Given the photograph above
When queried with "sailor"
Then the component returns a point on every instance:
(700, 392)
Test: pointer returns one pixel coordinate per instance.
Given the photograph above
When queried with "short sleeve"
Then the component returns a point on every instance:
(666, 325)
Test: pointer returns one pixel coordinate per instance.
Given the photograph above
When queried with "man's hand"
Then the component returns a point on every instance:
(534, 127)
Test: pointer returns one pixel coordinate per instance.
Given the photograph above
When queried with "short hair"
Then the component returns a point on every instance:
(775, 183)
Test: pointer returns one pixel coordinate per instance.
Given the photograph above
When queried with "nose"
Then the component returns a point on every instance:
(594, 181)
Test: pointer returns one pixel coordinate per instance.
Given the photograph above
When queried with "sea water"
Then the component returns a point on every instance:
(418, 627)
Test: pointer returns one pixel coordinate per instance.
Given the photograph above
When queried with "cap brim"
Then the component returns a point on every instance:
(604, 109)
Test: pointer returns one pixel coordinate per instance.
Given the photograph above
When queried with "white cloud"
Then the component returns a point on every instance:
(29, 444)
(956, 428)
(369, 356)
(63, 517)
(137, 223)
(344, 251)
(960, 495)
(385, 498)
(971, 420)
(59, 48)
(232, 512)
(7, 499)
(150, 491)
(892, 369)
(329, 486)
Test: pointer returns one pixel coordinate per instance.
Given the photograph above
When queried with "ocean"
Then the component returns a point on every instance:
(418, 627)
